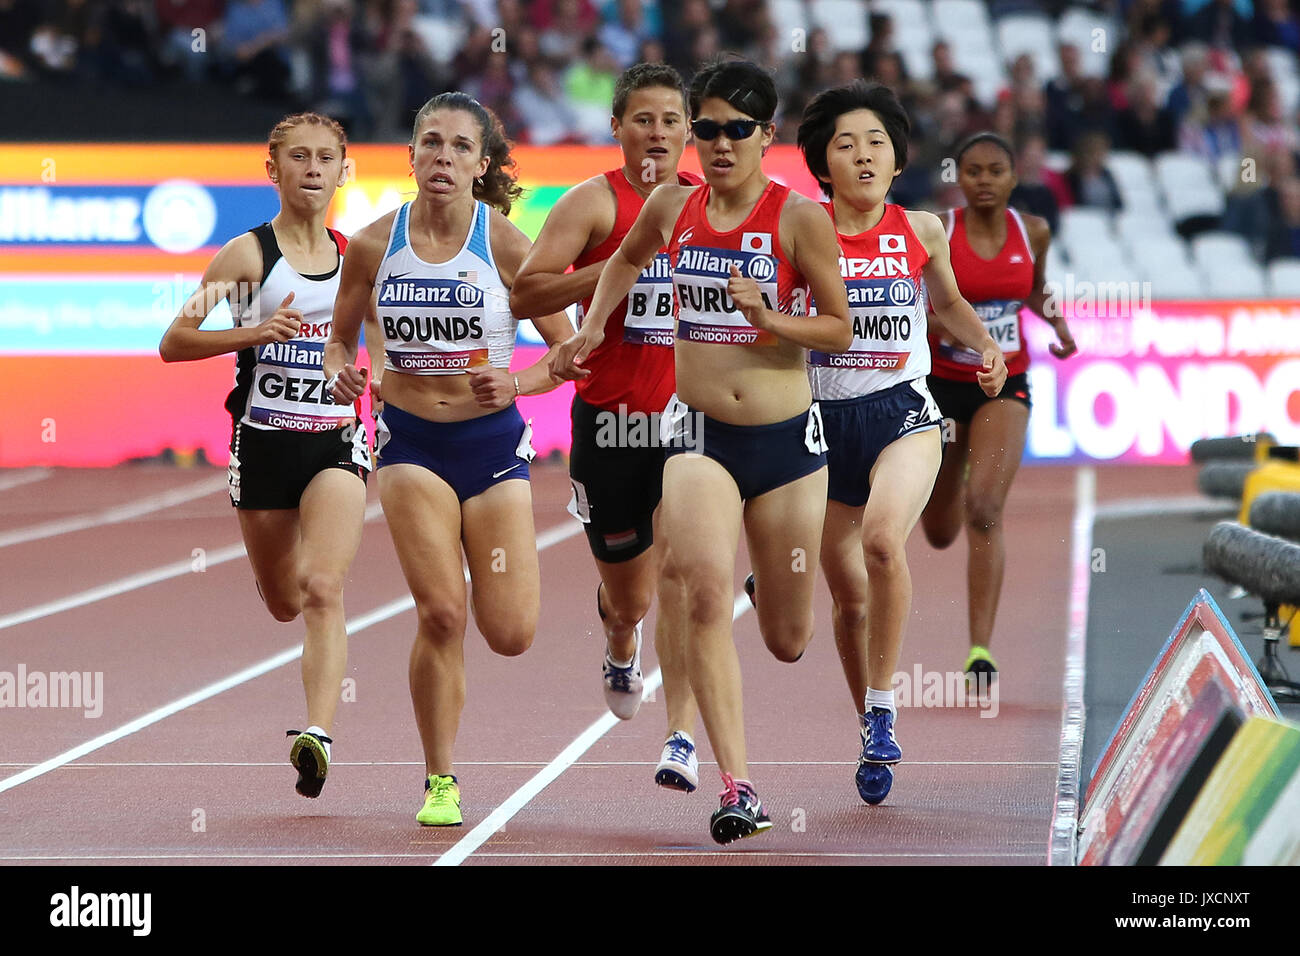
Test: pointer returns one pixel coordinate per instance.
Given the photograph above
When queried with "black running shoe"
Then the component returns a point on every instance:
(309, 758)
(741, 814)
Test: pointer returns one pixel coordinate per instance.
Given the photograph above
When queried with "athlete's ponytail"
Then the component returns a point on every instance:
(498, 186)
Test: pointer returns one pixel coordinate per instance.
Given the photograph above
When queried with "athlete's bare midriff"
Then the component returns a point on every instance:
(743, 384)
(437, 398)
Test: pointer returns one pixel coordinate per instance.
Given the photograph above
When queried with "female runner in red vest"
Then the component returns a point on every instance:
(745, 252)
(881, 423)
(999, 258)
(617, 487)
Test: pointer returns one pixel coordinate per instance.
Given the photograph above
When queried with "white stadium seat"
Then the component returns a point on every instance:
(1176, 283)
(1030, 33)
(1137, 226)
(1080, 224)
(1188, 186)
(1220, 252)
(1228, 172)
(1243, 281)
(1080, 27)
(911, 24)
(1284, 279)
(1133, 176)
(444, 38)
(958, 18)
(788, 16)
(845, 22)
(1153, 253)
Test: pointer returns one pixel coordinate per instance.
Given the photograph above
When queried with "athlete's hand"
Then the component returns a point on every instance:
(566, 363)
(749, 300)
(347, 385)
(376, 398)
(493, 387)
(1066, 348)
(994, 375)
(282, 325)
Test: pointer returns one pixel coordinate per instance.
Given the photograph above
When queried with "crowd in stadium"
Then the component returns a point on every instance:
(1200, 76)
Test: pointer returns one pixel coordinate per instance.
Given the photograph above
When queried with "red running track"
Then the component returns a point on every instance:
(187, 762)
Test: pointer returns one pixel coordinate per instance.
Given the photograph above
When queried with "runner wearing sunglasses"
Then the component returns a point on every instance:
(746, 446)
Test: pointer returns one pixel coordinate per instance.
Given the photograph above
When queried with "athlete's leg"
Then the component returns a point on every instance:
(627, 588)
(997, 442)
(501, 549)
(423, 516)
(670, 636)
(900, 486)
(784, 531)
(945, 514)
(332, 513)
(845, 569)
(702, 514)
(271, 540)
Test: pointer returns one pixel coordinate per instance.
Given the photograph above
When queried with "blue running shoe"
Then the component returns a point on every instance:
(878, 743)
(874, 781)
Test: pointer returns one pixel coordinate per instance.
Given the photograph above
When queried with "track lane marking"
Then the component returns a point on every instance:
(562, 762)
(382, 613)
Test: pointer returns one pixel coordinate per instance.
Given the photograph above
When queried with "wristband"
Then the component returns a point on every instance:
(517, 392)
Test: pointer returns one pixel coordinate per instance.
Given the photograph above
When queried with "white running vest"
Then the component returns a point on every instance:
(444, 318)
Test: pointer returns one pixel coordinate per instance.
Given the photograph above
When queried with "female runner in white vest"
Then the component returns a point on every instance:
(298, 461)
(453, 450)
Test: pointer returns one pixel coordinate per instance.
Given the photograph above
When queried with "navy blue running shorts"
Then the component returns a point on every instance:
(859, 429)
(471, 456)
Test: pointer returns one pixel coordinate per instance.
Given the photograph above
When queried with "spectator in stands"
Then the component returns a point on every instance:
(1190, 91)
(1065, 95)
(1220, 24)
(1124, 66)
(494, 87)
(405, 73)
(252, 51)
(569, 24)
(177, 21)
(1252, 205)
(589, 85)
(1145, 126)
(336, 43)
(55, 43)
(1264, 127)
(683, 21)
(1284, 229)
(1212, 130)
(1277, 25)
(946, 76)
(624, 34)
(1039, 190)
(1090, 182)
(741, 26)
(540, 101)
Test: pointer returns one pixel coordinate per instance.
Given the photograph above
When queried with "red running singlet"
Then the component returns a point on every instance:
(633, 366)
(997, 289)
(702, 258)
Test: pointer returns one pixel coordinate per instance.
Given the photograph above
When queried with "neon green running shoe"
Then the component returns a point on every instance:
(310, 758)
(441, 803)
(981, 666)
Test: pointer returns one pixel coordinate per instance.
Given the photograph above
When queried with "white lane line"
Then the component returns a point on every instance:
(118, 513)
(134, 581)
(1063, 841)
(391, 609)
(565, 759)
(16, 479)
(86, 764)
(1125, 508)
(709, 852)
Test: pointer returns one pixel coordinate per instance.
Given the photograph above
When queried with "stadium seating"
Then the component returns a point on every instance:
(1188, 186)
(1284, 279)
(845, 22)
(1028, 33)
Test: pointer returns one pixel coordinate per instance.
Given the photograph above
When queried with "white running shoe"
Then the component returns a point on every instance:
(679, 767)
(623, 685)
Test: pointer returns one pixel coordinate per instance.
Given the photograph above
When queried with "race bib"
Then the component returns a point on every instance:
(579, 506)
(814, 433)
(649, 316)
(525, 448)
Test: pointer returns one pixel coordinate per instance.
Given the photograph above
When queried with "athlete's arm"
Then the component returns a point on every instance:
(497, 387)
(1042, 302)
(651, 231)
(236, 267)
(375, 349)
(351, 307)
(814, 250)
(954, 312)
(580, 219)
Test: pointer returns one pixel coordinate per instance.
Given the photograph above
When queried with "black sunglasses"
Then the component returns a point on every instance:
(733, 129)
